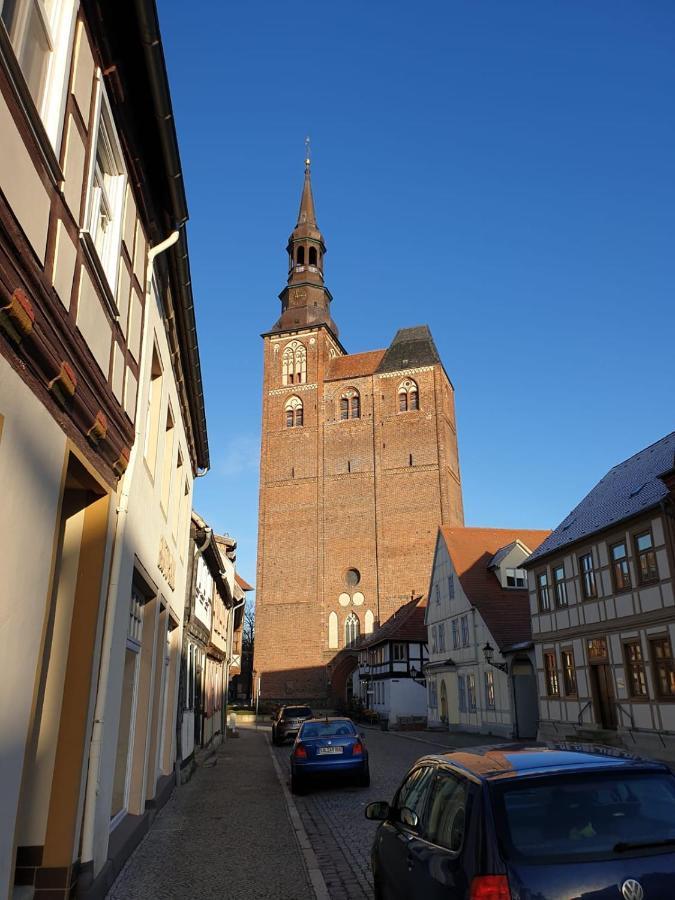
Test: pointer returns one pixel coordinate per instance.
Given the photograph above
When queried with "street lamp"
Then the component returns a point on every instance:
(489, 653)
(416, 676)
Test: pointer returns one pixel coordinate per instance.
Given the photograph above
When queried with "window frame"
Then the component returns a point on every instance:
(657, 662)
(635, 666)
(551, 675)
(587, 576)
(461, 784)
(569, 672)
(472, 700)
(614, 562)
(543, 591)
(489, 684)
(559, 587)
(639, 554)
(464, 630)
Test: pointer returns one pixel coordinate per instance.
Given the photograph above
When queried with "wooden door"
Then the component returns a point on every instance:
(603, 695)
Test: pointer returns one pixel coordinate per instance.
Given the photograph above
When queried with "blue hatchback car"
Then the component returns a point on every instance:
(517, 822)
(331, 746)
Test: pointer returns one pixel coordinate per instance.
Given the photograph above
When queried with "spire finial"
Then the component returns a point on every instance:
(308, 158)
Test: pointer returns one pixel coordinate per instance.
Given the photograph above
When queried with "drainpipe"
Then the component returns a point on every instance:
(228, 661)
(94, 772)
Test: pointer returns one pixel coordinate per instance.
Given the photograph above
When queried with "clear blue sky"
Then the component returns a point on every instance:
(503, 171)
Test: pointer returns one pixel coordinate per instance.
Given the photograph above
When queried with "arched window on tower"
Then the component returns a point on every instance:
(294, 364)
(293, 411)
(300, 256)
(352, 629)
(408, 396)
(350, 405)
(312, 256)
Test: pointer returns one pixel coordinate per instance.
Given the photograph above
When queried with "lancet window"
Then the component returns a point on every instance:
(293, 411)
(294, 364)
(408, 396)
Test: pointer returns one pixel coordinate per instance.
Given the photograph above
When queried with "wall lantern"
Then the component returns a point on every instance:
(489, 654)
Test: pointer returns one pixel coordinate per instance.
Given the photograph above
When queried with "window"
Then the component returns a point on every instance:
(293, 411)
(569, 672)
(178, 482)
(438, 595)
(588, 586)
(635, 669)
(312, 256)
(551, 675)
(399, 652)
(412, 794)
(461, 685)
(647, 568)
(39, 31)
(620, 567)
(433, 695)
(408, 396)
(301, 256)
(543, 592)
(559, 586)
(489, 690)
(471, 692)
(352, 577)
(516, 578)
(664, 670)
(465, 631)
(107, 186)
(434, 639)
(447, 812)
(352, 629)
(441, 637)
(152, 415)
(332, 631)
(350, 405)
(451, 587)
(455, 634)
(294, 364)
(168, 460)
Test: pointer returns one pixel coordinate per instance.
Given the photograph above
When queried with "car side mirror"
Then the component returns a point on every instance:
(378, 811)
(408, 817)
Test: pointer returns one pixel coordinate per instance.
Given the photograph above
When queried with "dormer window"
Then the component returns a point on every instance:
(516, 578)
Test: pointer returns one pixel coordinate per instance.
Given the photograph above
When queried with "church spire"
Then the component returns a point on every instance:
(305, 301)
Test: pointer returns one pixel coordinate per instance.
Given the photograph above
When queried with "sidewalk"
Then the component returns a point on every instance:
(445, 740)
(226, 833)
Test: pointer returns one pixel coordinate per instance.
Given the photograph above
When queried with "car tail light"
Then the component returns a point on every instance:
(490, 887)
(357, 749)
(300, 752)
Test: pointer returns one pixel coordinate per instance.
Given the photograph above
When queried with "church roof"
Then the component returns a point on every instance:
(411, 348)
(505, 611)
(355, 365)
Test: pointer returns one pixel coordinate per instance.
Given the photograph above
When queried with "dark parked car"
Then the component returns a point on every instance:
(328, 747)
(517, 822)
(287, 721)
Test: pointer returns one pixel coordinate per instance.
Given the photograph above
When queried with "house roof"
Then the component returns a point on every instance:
(407, 624)
(354, 365)
(505, 611)
(243, 584)
(628, 489)
(411, 347)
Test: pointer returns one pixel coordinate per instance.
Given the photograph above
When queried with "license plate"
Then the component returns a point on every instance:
(326, 751)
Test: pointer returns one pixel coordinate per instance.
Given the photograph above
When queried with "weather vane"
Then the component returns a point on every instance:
(308, 158)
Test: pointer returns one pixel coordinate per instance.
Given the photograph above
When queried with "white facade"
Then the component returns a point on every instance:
(384, 682)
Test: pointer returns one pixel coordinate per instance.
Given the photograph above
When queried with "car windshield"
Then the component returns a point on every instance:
(297, 712)
(340, 728)
(583, 817)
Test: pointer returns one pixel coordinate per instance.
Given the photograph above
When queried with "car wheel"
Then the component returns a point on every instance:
(364, 780)
(297, 784)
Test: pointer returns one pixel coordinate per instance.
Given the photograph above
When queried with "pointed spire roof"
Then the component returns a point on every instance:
(307, 214)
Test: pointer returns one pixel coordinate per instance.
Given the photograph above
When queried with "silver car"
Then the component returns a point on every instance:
(287, 721)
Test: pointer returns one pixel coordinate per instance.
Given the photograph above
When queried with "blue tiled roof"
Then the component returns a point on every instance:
(626, 490)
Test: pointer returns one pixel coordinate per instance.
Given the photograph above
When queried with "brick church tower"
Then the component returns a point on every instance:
(358, 468)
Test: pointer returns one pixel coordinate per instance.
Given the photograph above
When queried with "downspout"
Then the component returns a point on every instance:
(228, 660)
(94, 771)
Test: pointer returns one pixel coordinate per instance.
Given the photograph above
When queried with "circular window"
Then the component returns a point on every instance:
(344, 599)
(352, 577)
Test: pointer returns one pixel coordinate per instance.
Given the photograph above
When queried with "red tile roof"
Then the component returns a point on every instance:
(407, 624)
(354, 366)
(244, 585)
(505, 611)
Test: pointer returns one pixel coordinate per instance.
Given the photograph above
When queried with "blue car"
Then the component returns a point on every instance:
(330, 746)
(517, 822)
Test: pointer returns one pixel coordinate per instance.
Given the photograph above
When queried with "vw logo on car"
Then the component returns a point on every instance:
(632, 890)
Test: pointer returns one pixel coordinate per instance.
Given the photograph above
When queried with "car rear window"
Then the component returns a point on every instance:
(327, 729)
(580, 817)
(297, 712)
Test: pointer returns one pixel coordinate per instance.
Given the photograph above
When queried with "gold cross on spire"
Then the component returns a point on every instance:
(308, 158)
